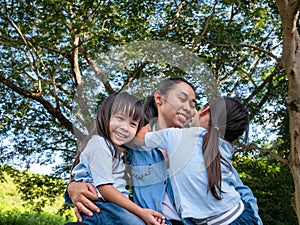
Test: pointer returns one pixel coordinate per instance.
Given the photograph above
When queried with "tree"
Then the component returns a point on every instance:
(48, 47)
(42, 69)
(288, 11)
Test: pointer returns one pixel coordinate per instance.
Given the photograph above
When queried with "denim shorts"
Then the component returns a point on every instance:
(111, 214)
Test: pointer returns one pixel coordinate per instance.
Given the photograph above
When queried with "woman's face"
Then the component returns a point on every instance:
(177, 107)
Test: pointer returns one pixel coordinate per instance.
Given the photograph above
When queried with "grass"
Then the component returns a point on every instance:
(13, 211)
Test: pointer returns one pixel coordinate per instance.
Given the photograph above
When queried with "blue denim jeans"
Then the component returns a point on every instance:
(111, 214)
(246, 218)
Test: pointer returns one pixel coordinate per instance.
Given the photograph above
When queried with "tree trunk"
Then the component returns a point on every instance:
(288, 11)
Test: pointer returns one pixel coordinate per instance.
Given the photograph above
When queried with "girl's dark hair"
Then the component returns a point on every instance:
(118, 102)
(229, 119)
(164, 87)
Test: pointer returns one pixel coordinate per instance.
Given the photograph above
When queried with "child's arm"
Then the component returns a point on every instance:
(113, 195)
(140, 136)
(163, 139)
(247, 195)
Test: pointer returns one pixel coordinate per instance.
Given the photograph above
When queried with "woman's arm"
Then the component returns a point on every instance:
(113, 195)
(82, 195)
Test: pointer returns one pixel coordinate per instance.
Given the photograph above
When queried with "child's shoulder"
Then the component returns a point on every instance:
(95, 144)
(227, 149)
(96, 139)
(197, 130)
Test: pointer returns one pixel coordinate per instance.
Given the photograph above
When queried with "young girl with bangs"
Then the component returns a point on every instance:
(100, 161)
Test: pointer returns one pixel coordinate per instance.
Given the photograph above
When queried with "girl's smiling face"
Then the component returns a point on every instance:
(122, 128)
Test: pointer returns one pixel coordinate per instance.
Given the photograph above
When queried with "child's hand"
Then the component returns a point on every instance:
(196, 119)
(160, 221)
(152, 217)
(140, 136)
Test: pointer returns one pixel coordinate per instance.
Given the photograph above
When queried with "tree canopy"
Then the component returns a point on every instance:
(49, 49)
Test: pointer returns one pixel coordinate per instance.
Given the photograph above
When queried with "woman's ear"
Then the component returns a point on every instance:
(204, 111)
(158, 98)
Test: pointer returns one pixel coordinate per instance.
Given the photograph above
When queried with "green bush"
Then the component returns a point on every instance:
(22, 206)
(272, 185)
(25, 218)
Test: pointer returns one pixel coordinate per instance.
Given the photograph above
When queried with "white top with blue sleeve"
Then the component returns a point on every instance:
(97, 165)
(188, 173)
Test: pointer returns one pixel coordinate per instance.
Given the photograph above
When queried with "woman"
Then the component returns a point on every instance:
(172, 105)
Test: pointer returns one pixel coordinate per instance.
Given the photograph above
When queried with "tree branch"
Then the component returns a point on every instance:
(177, 14)
(80, 97)
(207, 22)
(293, 6)
(47, 105)
(30, 48)
(266, 152)
(250, 46)
(135, 74)
(263, 84)
(97, 71)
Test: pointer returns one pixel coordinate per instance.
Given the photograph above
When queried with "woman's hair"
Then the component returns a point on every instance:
(118, 102)
(164, 87)
(229, 119)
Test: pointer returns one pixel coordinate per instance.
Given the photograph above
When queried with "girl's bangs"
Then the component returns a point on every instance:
(128, 106)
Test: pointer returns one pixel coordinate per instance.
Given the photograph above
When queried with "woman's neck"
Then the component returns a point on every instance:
(160, 124)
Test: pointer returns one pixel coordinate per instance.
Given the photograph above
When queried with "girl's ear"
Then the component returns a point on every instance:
(204, 111)
(158, 98)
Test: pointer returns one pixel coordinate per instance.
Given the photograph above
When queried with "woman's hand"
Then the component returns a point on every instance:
(82, 195)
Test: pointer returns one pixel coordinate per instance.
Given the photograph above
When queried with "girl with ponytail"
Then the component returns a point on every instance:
(202, 176)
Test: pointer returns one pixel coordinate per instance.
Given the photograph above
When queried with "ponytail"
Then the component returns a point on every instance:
(229, 120)
(212, 160)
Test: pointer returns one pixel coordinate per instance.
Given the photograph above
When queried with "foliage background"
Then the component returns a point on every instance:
(18, 208)
(48, 47)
